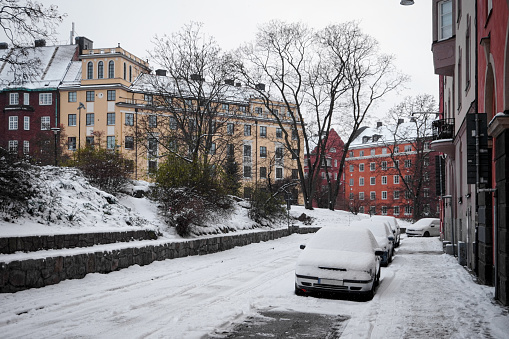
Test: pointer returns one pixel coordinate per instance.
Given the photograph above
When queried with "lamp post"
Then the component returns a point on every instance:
(56, 130)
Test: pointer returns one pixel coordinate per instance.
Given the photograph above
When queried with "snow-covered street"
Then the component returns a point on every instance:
(423, 294)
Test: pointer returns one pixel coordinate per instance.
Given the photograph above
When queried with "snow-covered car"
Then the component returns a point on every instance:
(339, 260)
(425, 227)
(383, 235)
(393, 223)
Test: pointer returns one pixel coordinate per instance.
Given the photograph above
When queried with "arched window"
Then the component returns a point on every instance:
(100, 70)
(90, 70)
(111, 69)
(125, 71)
(130, 73)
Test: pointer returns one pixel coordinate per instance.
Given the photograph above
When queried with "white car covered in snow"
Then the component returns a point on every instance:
(383, 235)
(340, 260)
(425, 227)
(393, 223)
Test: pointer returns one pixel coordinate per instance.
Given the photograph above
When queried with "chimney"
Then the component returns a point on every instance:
(4, 45)
(260, 87)
(84, 43)
(230, 82)
(40, 43)
(161, 72)
(379, 124)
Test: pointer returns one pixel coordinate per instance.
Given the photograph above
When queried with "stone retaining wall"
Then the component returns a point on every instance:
(21, 275)
(59, 241)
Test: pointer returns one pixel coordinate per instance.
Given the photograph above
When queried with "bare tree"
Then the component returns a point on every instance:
(321, 76)
(22, 22)
(412, 158)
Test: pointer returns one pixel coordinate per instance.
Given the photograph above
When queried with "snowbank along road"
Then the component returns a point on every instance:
(423, 293)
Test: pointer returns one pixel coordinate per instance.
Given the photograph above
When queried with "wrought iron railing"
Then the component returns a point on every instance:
(443, 129)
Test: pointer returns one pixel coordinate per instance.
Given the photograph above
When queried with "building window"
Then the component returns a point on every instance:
(396, 163)
(279, 152)
(279, 133)
(152, 147)
(372, 195)
(295, 174)
(361, 195)
(26, 123)
(295, 134)
(111, 69)
(396, 210)
(247, 130)
(425, 193)
(279, 173)
(26, 146)
(263, 172)
(130, 73)
(13, 123)
(408, 210)
(396, 194)
(444, 20)
(361, 167)
(408, 195)
(408, 163)
(129, 119)
(89, 119)
(361, 181)
(13, 98)
(90, 70)
(247, 171)
(100, 70)
(71, 143)
(110, 142)
(361, 153)
(351, 196)
(384, 150)
(229, 128)
(72, 97)
(71, 119)
(408, 178)
(45, 123)
(13, 146)
(408, 148)
(45, 99)
(372, 180)
(110, 118)
(152, 121)
(351, 182)
(112, 95)
(258, 110)
(384, 165)
(372, 166)
(263, 152)
(351, 154)
(361, 209)
(335, 162)
(129, 142)
(323, 175)
(372, 151)
(396, 179)
(152, 164)
(384, 210)
(384, 180)
(384, 195)
(26, 99)
(247, 151)
(351, 168)
(396, 149)
(90, 96)
(149, 100)
(263, 131)
(242, 109)
(90, 141)
(125, 71)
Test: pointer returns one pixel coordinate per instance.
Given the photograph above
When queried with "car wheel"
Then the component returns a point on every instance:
(426, 234)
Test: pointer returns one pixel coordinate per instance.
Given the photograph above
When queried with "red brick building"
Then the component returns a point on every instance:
(30, 108)
(390, 175)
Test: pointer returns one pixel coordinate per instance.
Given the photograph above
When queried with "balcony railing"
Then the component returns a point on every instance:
(443, 129)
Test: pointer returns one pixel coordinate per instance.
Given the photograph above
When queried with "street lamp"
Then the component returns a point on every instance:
(56, 130)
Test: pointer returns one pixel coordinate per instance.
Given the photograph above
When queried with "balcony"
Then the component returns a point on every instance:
(444, 56)
(443, 136)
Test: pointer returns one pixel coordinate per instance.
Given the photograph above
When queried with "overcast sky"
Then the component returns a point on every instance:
(404, 31)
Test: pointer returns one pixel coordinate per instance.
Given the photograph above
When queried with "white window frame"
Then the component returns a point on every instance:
(441, 25)
(13, 123)
(372, 181)
(384, 195)
(13, 146)
(26, 99)
(26, 123)
(45, 99)
(45, 123)
(14, 98)
(396, 179)
(26, 146)
(384, 180)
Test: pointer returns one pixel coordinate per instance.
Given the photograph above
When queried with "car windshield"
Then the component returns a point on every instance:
(341, 239)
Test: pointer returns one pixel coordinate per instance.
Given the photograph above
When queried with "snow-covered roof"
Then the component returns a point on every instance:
(54, 62)
(386, 134)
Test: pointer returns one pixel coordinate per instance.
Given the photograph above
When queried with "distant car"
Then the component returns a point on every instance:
(383, 235)
(339, 260)
(393, 222)
(426, 227)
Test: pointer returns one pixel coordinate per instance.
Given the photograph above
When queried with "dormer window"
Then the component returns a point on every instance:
(365, 140)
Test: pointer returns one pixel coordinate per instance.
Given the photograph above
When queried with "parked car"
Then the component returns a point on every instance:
(383, 235)
(339, 260)
(393, 222)
(425, 227)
